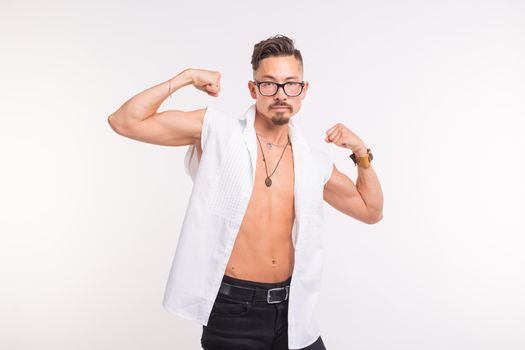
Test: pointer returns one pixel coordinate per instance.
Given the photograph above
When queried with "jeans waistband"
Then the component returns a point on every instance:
(247, 283)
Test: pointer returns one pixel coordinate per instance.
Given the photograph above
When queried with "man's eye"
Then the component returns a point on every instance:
(266, 84)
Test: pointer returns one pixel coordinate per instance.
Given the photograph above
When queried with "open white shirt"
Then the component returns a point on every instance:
(222, 187)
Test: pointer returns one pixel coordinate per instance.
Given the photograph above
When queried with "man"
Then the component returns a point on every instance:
(249, 256)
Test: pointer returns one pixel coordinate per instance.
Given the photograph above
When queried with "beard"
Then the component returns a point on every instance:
(280, 119)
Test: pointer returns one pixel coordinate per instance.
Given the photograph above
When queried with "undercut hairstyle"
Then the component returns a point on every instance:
(275, 46)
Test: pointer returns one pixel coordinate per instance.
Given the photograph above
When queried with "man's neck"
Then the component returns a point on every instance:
(265, 129)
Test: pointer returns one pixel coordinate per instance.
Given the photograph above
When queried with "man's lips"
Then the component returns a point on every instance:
(281, 107)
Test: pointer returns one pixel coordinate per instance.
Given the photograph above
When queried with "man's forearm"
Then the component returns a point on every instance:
(147, 102)
(369, 187)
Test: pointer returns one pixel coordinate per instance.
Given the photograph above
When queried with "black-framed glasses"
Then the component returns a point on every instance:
(269, 88)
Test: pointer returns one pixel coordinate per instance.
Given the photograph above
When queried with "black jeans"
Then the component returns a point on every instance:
(249, 325)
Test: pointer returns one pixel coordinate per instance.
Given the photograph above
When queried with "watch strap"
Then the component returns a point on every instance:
(362, 161)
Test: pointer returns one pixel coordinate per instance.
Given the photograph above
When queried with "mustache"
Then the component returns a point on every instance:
(281, 105)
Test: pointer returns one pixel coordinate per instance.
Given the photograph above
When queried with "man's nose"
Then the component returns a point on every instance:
(280, 94)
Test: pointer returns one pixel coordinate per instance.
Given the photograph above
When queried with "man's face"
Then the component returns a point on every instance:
(278, 70)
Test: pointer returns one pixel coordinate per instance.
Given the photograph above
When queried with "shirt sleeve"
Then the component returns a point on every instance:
(326, 164)
(206, 121)
(191, 160)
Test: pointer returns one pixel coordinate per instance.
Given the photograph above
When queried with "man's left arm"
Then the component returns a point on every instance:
(362, 200)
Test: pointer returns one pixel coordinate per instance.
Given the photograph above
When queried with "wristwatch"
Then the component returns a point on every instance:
(363, 161)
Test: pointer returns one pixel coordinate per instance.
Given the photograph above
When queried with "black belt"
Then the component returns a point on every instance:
(270, 295)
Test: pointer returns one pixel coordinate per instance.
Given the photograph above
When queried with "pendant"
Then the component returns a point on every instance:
(268, 182)
(269, 145)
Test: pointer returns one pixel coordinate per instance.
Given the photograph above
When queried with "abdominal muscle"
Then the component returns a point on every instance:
(262, 252)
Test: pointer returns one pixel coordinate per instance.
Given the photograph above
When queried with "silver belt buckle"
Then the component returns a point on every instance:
(278, 301)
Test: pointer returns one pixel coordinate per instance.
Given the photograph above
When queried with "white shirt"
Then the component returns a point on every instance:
(222, 187)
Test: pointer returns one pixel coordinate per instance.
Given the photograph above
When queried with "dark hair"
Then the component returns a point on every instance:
(274, 46)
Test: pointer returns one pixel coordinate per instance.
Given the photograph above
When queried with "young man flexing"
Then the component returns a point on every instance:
(249, 256)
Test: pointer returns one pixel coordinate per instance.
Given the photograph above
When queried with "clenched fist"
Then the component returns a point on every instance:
(206, 80)
(342, 136)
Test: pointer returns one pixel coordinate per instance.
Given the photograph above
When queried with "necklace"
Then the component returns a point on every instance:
(270, 145)
(268, 181)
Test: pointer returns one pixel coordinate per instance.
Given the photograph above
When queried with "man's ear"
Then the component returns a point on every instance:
(252, 87)
(305, 89)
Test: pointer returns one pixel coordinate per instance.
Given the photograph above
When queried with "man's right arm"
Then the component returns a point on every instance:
(138, 118)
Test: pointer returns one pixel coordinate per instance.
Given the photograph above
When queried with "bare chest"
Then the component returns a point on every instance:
(276, 201)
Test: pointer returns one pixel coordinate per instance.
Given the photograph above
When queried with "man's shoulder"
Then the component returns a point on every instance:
(218, 118)
(324, 162)
(218, 125)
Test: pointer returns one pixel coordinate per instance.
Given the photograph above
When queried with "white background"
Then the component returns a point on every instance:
(89, 220)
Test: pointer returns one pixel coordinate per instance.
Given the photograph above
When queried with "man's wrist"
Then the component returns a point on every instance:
(183, 78)
(180, 80)
(360, 152)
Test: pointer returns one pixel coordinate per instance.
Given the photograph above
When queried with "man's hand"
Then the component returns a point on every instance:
(205, 80)
(344, 137)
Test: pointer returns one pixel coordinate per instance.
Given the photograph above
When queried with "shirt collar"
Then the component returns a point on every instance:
(299, 145)
(249, 116)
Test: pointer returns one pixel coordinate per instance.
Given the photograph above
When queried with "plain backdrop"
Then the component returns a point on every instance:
(89, 220)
